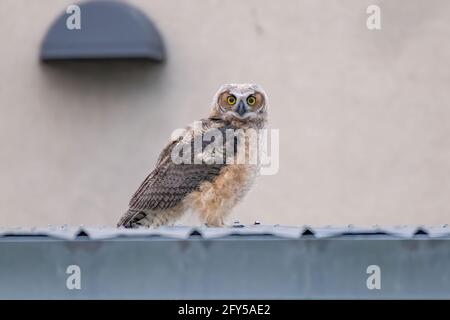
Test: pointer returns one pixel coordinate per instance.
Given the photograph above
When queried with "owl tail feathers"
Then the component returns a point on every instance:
(131, 218)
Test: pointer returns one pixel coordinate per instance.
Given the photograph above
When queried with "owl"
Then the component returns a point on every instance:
(209, 188)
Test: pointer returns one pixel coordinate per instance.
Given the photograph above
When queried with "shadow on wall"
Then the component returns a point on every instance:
(107, 76)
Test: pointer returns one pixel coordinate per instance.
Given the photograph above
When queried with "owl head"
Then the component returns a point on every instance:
(240, 102)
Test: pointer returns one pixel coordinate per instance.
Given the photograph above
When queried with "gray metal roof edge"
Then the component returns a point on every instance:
(184, 232)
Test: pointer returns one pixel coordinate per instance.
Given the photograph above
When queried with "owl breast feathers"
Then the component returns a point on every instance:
(208, 168)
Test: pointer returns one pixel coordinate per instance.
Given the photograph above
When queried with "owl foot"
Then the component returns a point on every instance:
(215, 223)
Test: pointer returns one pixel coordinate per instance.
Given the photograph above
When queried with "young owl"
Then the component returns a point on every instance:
(209, 188)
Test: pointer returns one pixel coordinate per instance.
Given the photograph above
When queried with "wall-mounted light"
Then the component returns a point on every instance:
(102, 30)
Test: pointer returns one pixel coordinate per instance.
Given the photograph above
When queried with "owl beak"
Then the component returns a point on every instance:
(241, 109)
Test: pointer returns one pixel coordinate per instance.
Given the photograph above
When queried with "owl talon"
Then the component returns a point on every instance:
(215, 224)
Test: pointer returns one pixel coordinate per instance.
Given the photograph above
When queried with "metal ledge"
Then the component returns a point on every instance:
(254, 262)
(184, 232)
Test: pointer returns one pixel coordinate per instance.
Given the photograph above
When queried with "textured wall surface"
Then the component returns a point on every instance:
(363, 115)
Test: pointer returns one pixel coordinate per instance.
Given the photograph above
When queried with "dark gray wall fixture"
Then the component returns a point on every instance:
(108, 30)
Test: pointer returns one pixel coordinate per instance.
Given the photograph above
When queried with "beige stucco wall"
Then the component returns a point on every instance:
(364, 116)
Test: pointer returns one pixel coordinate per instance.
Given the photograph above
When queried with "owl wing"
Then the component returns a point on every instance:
(169, 183)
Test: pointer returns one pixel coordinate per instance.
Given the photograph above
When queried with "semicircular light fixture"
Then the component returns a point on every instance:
(103, 29)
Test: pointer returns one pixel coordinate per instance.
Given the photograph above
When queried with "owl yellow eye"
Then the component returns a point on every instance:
(251, 100)
(231, 100)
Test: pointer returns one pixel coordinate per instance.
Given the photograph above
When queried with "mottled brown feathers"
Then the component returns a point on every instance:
(168, 184)
(213, 200)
